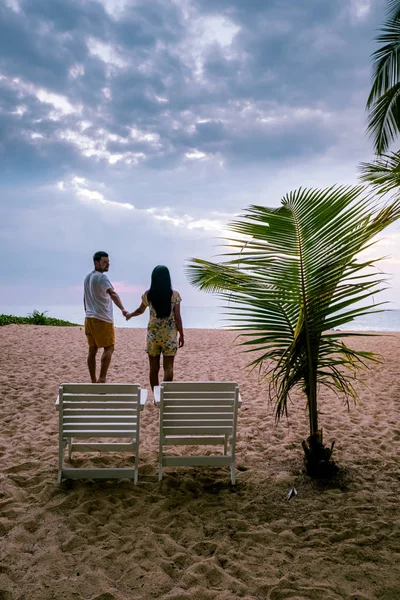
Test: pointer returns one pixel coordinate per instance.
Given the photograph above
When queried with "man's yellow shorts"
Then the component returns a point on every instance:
(99, 333)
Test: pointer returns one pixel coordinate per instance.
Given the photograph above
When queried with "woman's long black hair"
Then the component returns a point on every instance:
(160, 293)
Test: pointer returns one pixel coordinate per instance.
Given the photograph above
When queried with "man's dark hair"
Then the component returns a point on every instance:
(98, 255)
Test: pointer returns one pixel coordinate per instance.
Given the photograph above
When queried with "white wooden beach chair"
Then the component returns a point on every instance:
(89, 410)
(201, 414)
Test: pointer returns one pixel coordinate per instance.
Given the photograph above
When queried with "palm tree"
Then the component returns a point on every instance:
(383, 104)
(289, 280)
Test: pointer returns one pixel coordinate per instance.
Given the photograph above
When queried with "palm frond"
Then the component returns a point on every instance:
(385, 60)
(382, 102)
(393, 9)
(383, 174)
(384, 119)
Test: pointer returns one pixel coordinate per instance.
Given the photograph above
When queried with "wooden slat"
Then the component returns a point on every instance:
(122, 416)
(157, 394)
(173, 401)
(193, 440)
(198, 430)
(100, 388)
(143, 398)
(184, 421)
(194, 408)
(104, 447)
(112, 433)
(199, 395)
(98, 473)
(104, 404)
(134, 398)
(100, 426)
(205, 414)
(194, 385)
(198, 416)
(101, 420)
(199, 461)
(122, 412)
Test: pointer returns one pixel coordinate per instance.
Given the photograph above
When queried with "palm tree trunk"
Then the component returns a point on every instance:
(318, 456)
(312, 406)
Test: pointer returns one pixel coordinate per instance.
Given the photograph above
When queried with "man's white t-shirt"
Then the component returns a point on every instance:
(98, 303)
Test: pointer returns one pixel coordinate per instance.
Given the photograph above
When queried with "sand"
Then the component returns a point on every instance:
(194, 535)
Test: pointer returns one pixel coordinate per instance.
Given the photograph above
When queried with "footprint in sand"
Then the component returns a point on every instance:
(26, 466)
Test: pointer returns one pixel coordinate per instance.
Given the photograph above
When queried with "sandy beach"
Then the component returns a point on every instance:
(194, 535)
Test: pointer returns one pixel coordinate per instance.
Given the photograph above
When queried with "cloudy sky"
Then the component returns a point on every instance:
(143, 126)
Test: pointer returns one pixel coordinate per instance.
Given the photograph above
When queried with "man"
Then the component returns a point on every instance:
(98, 299)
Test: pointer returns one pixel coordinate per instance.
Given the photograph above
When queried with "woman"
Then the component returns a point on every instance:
(164, 324)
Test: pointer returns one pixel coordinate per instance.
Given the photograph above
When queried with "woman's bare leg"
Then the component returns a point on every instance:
(168, 366)
(154, 362)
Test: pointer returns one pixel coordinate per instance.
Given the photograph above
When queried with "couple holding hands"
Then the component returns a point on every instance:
(165, 322)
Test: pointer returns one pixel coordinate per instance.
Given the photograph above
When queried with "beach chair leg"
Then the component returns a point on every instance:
(61, 451)
(160, 471)
(136, 450)
(233, 475)
(225, 445)
(69, 448)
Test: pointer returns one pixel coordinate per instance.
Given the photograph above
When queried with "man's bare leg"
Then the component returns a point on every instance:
(105, 363)
(91, 362)
(168, 366)
(154, 369)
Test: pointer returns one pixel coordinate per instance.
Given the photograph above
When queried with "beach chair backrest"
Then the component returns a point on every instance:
(108, 411)
(201, 414)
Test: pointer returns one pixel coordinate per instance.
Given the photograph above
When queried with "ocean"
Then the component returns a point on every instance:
(197, 317)
(193, 316)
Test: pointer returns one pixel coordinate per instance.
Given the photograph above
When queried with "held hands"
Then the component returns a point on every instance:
(125, 313)
(128, 316)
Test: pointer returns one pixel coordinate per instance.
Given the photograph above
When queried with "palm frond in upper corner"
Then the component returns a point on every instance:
(385, 60)
(393, 9)
(383, 173)
(382, 104)
(384, 119)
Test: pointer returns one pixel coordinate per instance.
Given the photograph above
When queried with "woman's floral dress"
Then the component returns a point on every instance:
(162, 334)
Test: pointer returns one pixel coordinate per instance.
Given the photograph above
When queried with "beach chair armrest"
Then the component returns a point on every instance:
(157, 394)
(143, 397)
(57, 404)
(240, 401)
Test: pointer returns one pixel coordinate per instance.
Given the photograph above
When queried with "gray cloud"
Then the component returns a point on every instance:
(145, 129)
(146, 69)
